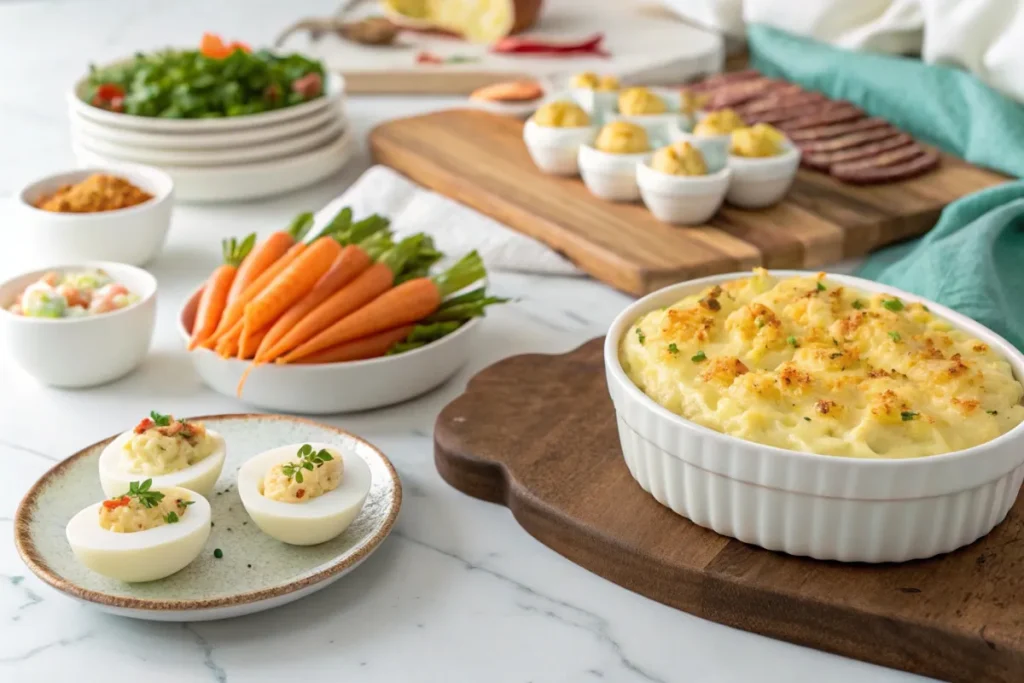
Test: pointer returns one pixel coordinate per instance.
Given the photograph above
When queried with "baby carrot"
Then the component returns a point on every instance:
(407, 303)
(268, 251)
(247, 350)
(370, 284)
(373, 346)
(215, 293)
(291, 284)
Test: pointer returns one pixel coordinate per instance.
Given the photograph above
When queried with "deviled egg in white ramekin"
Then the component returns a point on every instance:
(170, 452)
(712, 135)
(658, 125)
(760, 179)
(609, 165)
(554, 134)
(143, 533)
(304, 494)
(682, 199)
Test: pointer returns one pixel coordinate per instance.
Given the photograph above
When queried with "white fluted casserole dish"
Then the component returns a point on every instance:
(826, 507)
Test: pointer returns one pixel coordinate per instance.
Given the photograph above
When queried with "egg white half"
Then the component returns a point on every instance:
(141, 555)
(315, 521)
(200, 477)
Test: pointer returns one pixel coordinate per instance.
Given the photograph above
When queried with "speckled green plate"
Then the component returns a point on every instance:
(255, 573)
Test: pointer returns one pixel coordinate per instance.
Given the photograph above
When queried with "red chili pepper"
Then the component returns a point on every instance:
(428, 58)
(116, 502)
(537, 46)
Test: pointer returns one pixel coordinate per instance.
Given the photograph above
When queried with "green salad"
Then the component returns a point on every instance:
(215, 81)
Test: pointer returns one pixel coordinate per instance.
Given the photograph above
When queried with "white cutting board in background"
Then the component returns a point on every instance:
(647, 45)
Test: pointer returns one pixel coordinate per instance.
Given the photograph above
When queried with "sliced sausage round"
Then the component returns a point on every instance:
(847, 141)
(837, 115)
(857, 173)
(824, 160)
(835, 130)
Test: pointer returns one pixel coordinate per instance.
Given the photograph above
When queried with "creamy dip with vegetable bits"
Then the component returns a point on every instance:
(173, 452)
(73, 294)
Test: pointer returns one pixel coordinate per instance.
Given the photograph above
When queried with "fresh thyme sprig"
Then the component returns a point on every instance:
(159, 419)
(141, 492)
(308, 460)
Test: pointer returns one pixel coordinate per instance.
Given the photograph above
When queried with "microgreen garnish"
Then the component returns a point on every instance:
(992, 412)
(171, 517)
(641, 337)
(857, 304)
(672, 348)
(895, 336)
(308, 460)
(159, 419)
(908, 415)
(791, 340)
(141, 492)
(808, 419)
(698, 357)
(926, 308)
(186, 503)
(893, 305)
(821, 287)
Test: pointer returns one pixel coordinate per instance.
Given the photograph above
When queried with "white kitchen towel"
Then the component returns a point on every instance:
(456, 229)
(985, 37)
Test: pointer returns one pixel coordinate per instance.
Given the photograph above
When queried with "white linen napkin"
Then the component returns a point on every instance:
(456, 228)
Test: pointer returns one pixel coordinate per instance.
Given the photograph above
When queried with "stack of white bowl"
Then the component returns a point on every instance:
(222, 159)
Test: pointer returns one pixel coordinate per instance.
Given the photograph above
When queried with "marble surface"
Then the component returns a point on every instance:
(459, 592)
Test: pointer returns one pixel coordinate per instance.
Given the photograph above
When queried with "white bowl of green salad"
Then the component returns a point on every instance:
(189, 91)
(79, 325)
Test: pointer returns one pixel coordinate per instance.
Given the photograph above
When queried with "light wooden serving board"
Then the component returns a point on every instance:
(646, 44)
(537, 433)
(480, 160)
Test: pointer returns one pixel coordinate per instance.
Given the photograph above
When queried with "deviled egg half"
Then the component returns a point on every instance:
(169, 451)
(304, 494)
(142, 534)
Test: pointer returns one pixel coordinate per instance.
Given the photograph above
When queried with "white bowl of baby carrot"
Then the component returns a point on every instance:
(345, 320)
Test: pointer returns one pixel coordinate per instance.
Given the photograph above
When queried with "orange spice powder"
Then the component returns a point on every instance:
(98, 192)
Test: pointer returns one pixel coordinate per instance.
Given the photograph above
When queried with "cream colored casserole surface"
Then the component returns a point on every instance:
(806, 364)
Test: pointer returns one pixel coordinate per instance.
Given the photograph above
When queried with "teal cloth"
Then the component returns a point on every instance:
(973, 260)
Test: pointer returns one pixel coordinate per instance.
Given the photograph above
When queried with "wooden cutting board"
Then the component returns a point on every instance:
(480, 160)
(537, 433)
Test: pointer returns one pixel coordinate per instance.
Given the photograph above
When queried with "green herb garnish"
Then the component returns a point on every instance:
(171, 517)
(992, 412)
(791, 340)
(672, 348)
(308, 460)
(698, 357)
(141, 492)
(896, 336)
(821, 287)
(218, 553)
(908, 415)
(808, 419)
(893, 305)
(159, 419)
(857, 304)
(759, 322)
(641, 337)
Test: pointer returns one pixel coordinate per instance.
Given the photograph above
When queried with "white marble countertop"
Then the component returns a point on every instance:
(459, 592)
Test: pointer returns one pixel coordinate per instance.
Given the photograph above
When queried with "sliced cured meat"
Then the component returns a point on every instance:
(782, 114)
(778, 98)
(719, 80)
(733, 95)
(835, 130)
(889, 158)
(857, 173)
(848, 140)
(836, 115)
(824, 160)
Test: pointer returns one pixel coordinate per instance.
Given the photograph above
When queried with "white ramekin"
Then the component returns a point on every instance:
(681, 200)
(556, 150)
(825, 507)
(598, 103)
(763, 181)
(715, 148)
(611, 176)
(134, 235)
(81, 352)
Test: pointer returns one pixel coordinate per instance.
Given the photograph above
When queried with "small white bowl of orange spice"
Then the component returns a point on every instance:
(120, 215)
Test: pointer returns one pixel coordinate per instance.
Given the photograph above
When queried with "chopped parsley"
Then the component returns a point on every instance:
(992, 412)
(808, 419)
(218, 553)
(821, 287)
(791, 340)
(308, 460)
(926, 308)
(171, 517)
(896, 336)
(698, 357)
(759, 322)
(837, 354)
(141, 492)
(641, 337)
(908, 415)
(857, 304)
(672, 348)
(893, 305)
(159, 419)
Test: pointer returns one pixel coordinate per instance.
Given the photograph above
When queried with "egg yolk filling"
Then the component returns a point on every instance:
(591, 81)
(761, 140)
(721, 122)
(622, 137)
(681, 158)
(309, 476)
(141, 509)
(161, 444)
(561, 115)
(640, 101)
